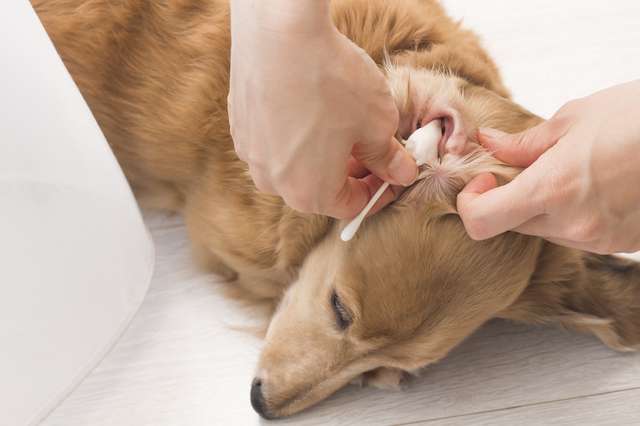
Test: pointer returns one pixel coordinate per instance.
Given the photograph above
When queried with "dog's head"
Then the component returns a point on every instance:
(411, 284)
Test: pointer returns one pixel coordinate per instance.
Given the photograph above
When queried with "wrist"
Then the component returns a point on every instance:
(281, 16)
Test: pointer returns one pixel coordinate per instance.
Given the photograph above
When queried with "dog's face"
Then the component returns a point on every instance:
(411, 284)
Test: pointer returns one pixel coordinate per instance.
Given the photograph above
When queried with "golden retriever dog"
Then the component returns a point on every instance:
(411, 285)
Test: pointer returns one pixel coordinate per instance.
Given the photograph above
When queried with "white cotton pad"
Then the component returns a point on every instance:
(423, 146)
(423, 143)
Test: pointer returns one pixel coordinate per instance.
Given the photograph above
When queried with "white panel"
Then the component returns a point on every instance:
(75, 256)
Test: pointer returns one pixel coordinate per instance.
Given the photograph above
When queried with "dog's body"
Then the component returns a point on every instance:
(412, 284)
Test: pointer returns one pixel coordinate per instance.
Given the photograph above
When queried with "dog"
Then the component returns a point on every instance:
(411, 285)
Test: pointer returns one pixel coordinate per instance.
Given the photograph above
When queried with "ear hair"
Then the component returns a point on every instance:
(441, 180)
(387, 64)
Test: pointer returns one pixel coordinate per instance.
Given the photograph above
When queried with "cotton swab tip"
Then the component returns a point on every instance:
(423, 143)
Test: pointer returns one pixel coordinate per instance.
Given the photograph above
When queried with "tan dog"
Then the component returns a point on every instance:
(411, 285)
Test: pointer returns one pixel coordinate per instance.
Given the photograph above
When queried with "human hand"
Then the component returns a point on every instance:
(310, 112)
(581, 185)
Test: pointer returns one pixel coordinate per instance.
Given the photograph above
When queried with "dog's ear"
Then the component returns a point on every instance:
(585, 292)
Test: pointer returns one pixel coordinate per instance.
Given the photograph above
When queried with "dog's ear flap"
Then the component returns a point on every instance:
(584, 292)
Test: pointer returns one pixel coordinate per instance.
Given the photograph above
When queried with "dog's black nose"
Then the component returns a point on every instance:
(257, 398)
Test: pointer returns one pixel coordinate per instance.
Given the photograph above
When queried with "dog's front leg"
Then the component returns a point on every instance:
(383, 378)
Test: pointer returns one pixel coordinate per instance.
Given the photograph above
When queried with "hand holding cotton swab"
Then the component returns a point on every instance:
(423, 146)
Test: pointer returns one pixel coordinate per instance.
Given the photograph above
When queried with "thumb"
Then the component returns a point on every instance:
(388, 160)
(487, 210)
(522, 149)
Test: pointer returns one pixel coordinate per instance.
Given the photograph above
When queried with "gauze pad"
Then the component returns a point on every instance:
(423, 146)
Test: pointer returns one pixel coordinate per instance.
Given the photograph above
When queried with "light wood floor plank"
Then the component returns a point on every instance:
(610, 409)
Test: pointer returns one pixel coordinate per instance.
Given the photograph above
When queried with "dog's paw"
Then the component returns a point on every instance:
(385, 378)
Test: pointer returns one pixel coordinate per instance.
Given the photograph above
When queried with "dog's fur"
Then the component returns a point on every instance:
(411, 285)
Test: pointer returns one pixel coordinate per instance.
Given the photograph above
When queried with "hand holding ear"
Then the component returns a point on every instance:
(581, 183)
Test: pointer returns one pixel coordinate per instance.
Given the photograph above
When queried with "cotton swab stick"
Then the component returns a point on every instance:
(423, 146)
(350, 230)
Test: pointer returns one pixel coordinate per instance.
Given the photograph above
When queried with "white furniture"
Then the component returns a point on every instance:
(75, 257)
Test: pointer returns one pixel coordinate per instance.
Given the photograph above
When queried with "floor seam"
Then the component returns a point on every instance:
(513, 407)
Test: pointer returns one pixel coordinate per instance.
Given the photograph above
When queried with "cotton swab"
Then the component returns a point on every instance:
(423, 146)
(350, 230)
(423, 143)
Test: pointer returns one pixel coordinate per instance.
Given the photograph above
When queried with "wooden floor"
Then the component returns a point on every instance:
(181, 362)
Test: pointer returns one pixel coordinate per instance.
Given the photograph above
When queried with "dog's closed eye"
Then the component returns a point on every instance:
(343, 317)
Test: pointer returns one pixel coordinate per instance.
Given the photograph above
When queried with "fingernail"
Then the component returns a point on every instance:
(402, 168)
(489, 133)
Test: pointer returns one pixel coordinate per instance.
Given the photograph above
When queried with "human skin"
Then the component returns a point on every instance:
(581, 183)
(320, 136)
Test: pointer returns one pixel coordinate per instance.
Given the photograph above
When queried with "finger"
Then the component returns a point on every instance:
(388, 160)
(356, 169)
(522, 149)
(355, 195)
(388, 196)
(351, 199)
(487, 211)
